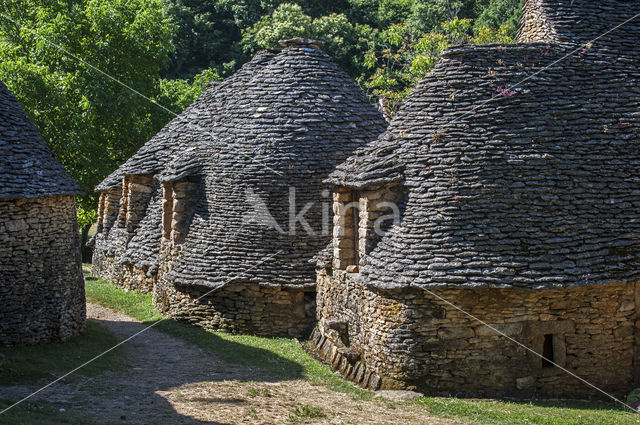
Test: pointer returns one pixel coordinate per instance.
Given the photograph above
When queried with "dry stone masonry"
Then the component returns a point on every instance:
(238, 207)
(41, 284)
(520, 207)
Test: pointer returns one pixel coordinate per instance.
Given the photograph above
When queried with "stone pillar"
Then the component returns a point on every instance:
(179, 199)
(167, 209)
(124, 200)
(345, 216)
(101, 202)
(111, 207)
(359, 219)
(378, 206)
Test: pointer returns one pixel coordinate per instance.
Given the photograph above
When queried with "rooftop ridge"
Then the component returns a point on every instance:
(298, 41)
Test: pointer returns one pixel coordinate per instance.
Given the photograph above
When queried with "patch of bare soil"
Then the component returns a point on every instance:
(171, 381)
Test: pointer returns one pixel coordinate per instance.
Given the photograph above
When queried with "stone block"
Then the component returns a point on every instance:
(15, 225)
(525, 383)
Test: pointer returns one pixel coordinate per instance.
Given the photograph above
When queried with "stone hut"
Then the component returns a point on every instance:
(241, 187)
(41, 284)
(127, 242)
(506, 188)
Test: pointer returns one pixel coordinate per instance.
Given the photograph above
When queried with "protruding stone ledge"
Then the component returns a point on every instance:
(307, 42)
(344, 361)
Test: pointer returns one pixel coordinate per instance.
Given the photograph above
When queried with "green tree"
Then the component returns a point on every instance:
(400, 55)
(223, 34)
(343, 40)
(494, 13)
(91, 122)
(207, 36)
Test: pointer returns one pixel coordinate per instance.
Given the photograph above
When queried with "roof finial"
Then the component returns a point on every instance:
(301, 42)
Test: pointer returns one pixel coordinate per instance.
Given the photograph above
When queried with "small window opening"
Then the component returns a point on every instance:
(547, 351)
(346, 232)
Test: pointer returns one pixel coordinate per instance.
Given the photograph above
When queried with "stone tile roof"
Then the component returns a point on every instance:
(191, 125)
(181, 134)
(537, 188)
(565, 22)
(571, 22)
(289, 125)
(28, 168)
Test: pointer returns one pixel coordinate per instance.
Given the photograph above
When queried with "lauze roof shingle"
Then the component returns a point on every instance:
(28, 168)
(536, 188)
(284, 120)
(285, 128)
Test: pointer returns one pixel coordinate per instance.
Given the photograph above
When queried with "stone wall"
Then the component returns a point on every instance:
(535, 25)
(134, 278)
(41, 284)
(125, 205)
(240, 307)
(103, 262)
(407, 337)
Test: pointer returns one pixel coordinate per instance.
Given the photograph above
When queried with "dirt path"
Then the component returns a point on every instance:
(171, 381)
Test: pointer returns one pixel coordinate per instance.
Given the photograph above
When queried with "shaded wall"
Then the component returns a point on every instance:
(41, 284)
(393, 339)
(240, 307)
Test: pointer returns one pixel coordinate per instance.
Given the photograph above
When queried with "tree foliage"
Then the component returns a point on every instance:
(388, 45)
(91, 122)
(495, 13)
(289, 21)
(167, 50)
(401, 55)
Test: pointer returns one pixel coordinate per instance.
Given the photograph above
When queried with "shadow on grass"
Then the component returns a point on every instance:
(108, 392)
(265, 364)
(25, 364)
(38, 414)
(271, 358)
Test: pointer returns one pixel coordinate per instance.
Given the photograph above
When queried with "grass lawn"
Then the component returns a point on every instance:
(285, 358)
(492, 412)
(45, 362)
(26, 364)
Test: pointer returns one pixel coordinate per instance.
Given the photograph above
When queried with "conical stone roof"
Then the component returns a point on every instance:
(186, 128)
(278, 137)
(189, 128)
(532, 186)
(28, 168)
(577, 22)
